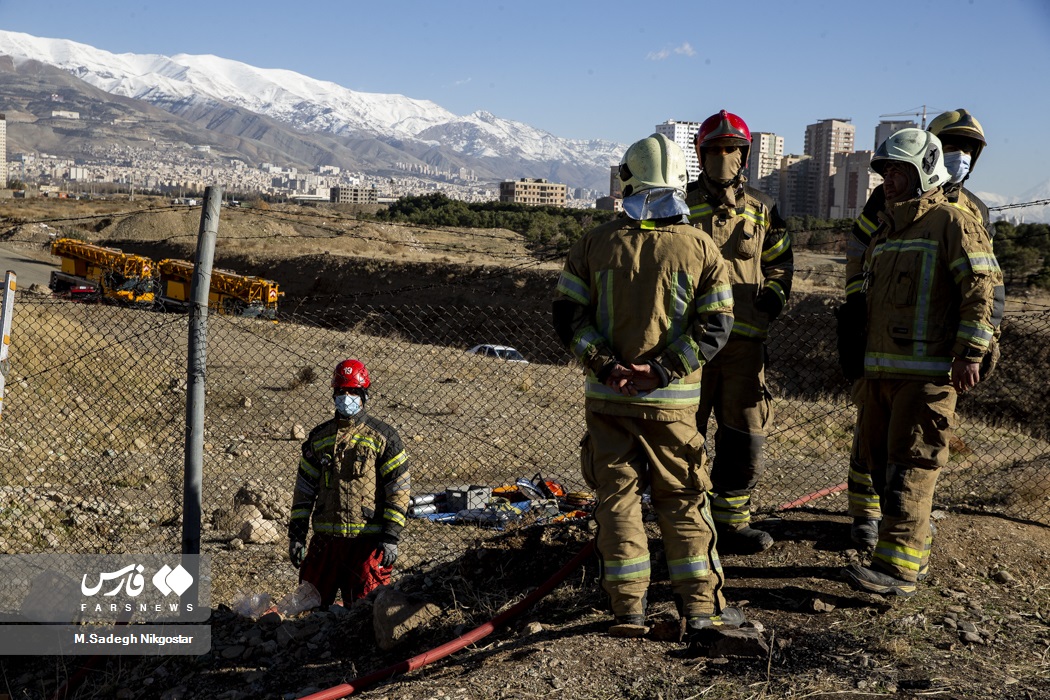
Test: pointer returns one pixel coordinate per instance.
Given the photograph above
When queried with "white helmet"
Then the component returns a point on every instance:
(655, 161)
(921, 149)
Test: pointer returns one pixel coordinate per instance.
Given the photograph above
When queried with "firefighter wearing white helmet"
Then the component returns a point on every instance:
(745, 225)
(934, 295)
(963, 141)
(644, 302)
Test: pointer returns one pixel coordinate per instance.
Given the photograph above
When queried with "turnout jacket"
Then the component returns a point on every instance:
(933, 287)
(639, 291)
(865, 225)
(353, 479)
(755, 244)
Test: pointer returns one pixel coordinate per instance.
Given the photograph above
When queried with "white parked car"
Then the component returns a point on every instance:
(502, 352)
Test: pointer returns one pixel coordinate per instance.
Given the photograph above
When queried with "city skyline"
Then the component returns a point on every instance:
(602, 70)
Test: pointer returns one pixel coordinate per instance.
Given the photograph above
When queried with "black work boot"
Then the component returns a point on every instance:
(629, 626)
(864, 532)
(702, 630)
(745, 540)
(862, 578)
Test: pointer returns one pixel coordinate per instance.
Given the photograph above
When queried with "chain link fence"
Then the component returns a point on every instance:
(93, 430)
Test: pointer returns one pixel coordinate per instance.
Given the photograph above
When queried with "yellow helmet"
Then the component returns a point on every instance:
(958, 124)
(655, 161)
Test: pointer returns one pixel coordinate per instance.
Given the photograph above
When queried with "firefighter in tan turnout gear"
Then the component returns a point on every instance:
(745, 225)
(963, 140)
(935, 298)
(644, 302)
(353, 482)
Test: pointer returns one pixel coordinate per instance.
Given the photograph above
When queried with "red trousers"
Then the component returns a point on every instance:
(347, 564)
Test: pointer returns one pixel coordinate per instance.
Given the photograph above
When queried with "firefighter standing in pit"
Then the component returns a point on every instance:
(745, 225)
(644, 302)
(354, 481)
(935, 299)
(963, 140)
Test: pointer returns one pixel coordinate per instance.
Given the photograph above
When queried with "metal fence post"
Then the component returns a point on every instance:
(196, 364)
(6, 315)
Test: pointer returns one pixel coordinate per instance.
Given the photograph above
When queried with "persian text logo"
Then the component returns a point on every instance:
(166, 580)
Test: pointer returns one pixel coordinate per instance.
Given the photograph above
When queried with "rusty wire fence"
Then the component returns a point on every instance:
(93, 430)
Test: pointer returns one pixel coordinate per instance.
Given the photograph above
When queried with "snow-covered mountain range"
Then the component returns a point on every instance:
(192, 86)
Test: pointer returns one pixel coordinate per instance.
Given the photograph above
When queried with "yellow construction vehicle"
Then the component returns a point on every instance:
(230, 293)
(93, 272)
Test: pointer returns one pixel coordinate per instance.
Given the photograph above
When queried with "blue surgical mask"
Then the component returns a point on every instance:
(958, 165)
(347, 405)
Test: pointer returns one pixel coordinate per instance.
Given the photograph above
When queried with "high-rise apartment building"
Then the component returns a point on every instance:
(852, 184)
(535, 191)
(886, 129)
(763, 162)
(683, 133)
(794, 185)
(823, 140)
(3, 151)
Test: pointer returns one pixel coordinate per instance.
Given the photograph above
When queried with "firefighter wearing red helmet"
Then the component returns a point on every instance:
(354, 485)
(751, 236)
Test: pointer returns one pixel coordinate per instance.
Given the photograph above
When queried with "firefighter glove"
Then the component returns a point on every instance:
(296, 552)
(769, 303)
(389, 551)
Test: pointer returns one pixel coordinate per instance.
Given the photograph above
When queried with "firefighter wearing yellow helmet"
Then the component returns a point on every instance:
(643, 303)
(934, 301)
(963, 141)
(745, 225)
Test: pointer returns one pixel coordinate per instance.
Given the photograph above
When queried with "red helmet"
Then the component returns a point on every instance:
(723, 125)
(350, 374)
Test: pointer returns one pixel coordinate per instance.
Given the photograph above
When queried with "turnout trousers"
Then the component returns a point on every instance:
(863, 499)
(350, 565)
(734, 389)
(904, 427)
(620, 457)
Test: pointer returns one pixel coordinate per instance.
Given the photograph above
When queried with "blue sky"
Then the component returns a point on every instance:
(614, 69)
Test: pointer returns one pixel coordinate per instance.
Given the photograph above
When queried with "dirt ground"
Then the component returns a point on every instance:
(978, 628)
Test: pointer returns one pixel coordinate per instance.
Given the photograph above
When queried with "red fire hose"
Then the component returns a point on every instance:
(347, 689)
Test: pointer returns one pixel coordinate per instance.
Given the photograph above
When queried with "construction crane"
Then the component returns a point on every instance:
(95, 272)
(912, 113)
(229, 293)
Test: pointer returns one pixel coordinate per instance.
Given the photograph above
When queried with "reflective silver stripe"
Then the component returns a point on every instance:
(688, 353)
(603, 312)
(862, 478)
(747, 330)
(347, 529)
(905, 364)
(898, 555)
(305, 486)
(300, 513)
(678, 305)
(983, 263)
(674, 394)
(626, 569)
(776, 250)
(575, 288)
(393, 463)
(854, 286)
(866, 225)
(586, 339)
(690, 567)
(720, 297)
(308, 469)
(977, 333)
(700, 210)
(758, 217)
(393, 516)
(778, 290)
